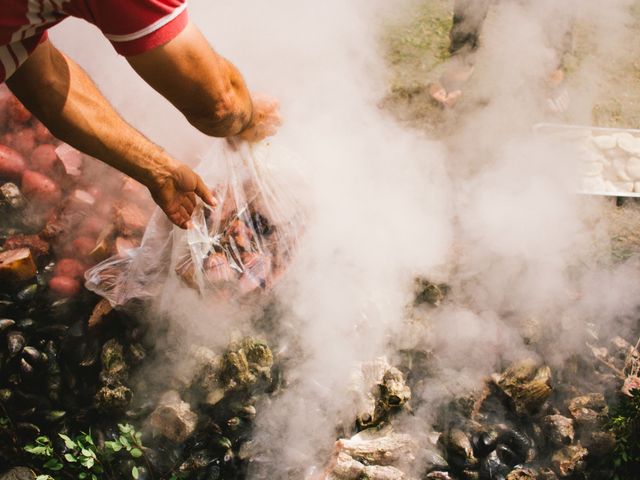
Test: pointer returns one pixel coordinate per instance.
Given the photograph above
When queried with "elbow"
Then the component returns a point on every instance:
(225, 118)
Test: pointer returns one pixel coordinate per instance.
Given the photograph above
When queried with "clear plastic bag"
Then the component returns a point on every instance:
(241, 246)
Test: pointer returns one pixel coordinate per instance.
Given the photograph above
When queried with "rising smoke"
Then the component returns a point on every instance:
(489, 211)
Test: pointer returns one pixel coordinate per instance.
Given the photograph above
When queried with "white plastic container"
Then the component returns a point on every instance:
(610, 157)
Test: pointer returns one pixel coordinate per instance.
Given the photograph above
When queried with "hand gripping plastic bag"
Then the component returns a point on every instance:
(241, 246)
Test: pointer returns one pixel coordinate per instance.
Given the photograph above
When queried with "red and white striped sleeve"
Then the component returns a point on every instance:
(134, 27)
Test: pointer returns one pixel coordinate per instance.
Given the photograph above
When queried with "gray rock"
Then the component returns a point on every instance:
(18, 473)
(558, 430)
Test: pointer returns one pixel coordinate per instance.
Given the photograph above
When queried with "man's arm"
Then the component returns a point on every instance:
(66, 101)
(206, 88)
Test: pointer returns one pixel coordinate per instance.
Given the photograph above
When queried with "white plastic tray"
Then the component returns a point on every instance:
(579, 133)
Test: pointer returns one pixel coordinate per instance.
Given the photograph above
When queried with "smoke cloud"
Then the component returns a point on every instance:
(489, 210)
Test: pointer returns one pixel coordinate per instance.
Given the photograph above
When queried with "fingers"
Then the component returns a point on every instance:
(190, 202)
(181, 216)
(179, 219)
(204, 193)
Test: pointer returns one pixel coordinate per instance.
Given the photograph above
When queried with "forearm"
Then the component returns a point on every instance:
(224, 108)
(65, 99)
(204, 86)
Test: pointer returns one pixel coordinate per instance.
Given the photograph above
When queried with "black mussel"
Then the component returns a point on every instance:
(493, 468)
(42, 280)
(507, 455)
(54, 416)
(15, 342)
(49, 267)
(89, 352)
(6, 323)
(54, 377)
(234, 424)
(28, 293)
(32, 354)
(27, 413)
(221, 445)
(518, 442)
(25, 367)
(26, 432)
(484, 442)
(60, 309)
(248, 412)
(56, 330)
(33, 310)
(77, 330)
(469, 474)
(26, 324)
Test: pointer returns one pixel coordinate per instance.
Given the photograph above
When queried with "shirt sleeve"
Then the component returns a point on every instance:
(134, 27)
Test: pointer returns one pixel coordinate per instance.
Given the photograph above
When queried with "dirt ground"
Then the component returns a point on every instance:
(416, 52)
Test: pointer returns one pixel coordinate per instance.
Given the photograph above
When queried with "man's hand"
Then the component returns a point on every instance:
(63, 97)
(264, 121)
(175, 192)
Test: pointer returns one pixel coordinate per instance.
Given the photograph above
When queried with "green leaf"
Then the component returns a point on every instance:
(125, 428)
(70, 458)
(136, 452)
(93, 477)
(89, 440)
(35, 450)
(124, 442)
(135, 473)
(44, 477)
(67, 441)
(82, 475)
(87, 453)
(138, 437)
(113, 446)
(87, 462)
(116, 447)
(53, 464)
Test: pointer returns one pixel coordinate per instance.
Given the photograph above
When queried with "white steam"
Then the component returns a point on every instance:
(496, 208)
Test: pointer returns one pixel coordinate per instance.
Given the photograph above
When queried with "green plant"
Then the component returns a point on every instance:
(83, 459)
(625, 424)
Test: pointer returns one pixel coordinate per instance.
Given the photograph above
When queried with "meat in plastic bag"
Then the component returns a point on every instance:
(242, 245)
